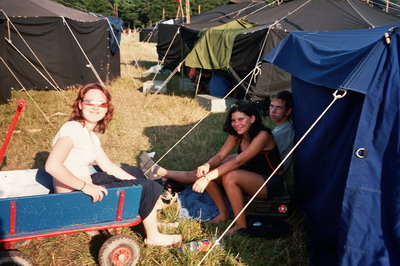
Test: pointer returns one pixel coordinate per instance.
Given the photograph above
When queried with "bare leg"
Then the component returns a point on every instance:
(215, 193)
(236, 183)
(150, 168)
(153, 236)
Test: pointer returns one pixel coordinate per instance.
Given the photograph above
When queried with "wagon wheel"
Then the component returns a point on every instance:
(119, 250)
(14, 257)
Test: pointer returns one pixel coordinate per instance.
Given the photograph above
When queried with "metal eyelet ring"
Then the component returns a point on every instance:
(340, 93)
(361, 153)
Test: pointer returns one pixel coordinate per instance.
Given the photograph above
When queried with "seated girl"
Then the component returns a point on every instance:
(76, 146)
(245, 172)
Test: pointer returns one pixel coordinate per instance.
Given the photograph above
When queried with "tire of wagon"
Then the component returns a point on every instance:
(14, 257)
(119, 250)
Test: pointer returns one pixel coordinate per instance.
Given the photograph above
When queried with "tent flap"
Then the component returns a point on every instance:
(348, 169)
(214, 48)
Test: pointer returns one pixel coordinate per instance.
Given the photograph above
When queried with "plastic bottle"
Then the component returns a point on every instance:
(200, 245)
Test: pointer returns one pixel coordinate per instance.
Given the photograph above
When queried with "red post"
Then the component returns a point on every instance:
(20, 108)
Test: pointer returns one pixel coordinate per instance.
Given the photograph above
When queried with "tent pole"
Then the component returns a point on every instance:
(198, 82)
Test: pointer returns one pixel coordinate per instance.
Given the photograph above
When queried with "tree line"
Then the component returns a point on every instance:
(141, 13)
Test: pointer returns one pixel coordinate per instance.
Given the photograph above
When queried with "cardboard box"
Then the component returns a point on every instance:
(215, 104)
(153, 86)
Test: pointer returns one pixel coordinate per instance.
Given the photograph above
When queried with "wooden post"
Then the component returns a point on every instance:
(181, 7)
(387, 6)
(179, 13)
(163, 14)
(188, 11)
(199, 9)
(115, 10)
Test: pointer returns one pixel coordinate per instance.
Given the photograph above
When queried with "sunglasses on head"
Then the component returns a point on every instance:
(95, 103)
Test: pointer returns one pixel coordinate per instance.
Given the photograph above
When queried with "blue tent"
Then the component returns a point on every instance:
(347, 169)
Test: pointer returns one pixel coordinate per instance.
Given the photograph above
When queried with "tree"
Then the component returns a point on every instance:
(139, 13)
(103, 7)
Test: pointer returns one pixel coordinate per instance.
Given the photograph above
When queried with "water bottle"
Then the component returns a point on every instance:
(200, 245)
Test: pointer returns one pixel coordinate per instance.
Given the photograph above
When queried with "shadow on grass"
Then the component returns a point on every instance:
(95, 245)
(40, 159)
(200, 145)
(177, 85)
(197, 147)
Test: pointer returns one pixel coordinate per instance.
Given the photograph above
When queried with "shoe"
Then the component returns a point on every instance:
(173, 186)
(168, 197)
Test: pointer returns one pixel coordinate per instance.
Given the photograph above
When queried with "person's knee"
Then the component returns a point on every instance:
(230, 179)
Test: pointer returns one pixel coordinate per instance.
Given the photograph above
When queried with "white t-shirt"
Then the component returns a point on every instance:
(85, 148)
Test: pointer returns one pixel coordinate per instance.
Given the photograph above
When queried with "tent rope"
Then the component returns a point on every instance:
(338, 94)
(13, 46)
(9, 22)
(119, 47)
(24, 89)
(136, 64)
(255, 11)
(148, 37)
(141, 54)
(80, 47)
(248, 6)
(258, 62)
(243, 9)
(190, 130)
(364, 18)
(252, 71)
(23, 56)
(166, 80)
(166, 53)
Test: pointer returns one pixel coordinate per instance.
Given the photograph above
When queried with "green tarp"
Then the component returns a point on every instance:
(213, 50)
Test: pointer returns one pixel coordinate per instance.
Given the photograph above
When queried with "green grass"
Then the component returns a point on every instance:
(141, 123)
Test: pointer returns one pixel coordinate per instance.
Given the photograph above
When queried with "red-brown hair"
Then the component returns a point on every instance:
(76, 114)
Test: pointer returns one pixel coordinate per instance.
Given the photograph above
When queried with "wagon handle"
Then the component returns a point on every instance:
(20, 108)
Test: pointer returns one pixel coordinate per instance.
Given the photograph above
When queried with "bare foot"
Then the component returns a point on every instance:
(219, 218)
(163, 240)
(234, 229)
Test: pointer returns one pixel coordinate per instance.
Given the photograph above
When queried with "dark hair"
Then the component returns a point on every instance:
(249, 109)
(76, 114)
(285, 96)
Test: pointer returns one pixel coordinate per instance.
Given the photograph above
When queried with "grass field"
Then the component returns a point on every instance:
(141, 123)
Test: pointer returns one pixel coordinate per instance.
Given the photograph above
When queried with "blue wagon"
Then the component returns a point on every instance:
(29, 210)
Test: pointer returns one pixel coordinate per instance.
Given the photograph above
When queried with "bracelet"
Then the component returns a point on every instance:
(84, 185)
(206, 178)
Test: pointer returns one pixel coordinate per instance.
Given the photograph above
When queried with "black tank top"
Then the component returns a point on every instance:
(264, 163)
